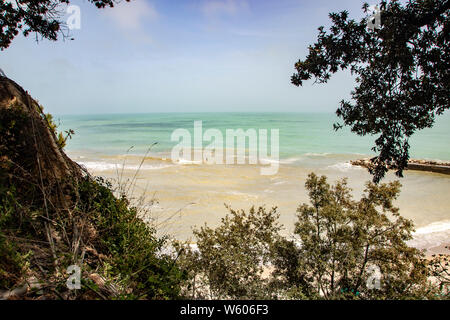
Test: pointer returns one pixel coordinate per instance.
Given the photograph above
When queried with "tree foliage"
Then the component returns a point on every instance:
(43, 17)
(402, 73)
(440, 271)
(342, 243)
(231, 259)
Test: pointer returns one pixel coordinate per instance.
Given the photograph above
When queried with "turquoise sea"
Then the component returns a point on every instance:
(300, 133)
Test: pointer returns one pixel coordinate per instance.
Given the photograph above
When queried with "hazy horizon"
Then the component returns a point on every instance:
(193, 112)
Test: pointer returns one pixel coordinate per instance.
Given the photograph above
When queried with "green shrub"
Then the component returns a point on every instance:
(12, 262)
(343, 241)
(232, 258)
(130, 243)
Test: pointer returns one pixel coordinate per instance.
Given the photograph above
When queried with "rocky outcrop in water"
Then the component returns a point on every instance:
(413, 164)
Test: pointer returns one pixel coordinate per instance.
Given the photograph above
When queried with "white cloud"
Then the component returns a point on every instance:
(224, 7)
(132, 15)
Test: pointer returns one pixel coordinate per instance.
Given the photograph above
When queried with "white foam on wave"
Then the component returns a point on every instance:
(317, 154)
(440, 226)
(344, 167)
(290, 160)
(105, 166)
(266, 161)
(432, 235)
(98, 166)
(184, 161)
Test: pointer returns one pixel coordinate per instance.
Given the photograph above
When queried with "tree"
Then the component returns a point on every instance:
(402, 74)
(43, 17)
(348, 249)
(232, 258)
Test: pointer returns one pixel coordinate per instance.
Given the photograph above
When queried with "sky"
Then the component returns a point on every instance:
(181, 56)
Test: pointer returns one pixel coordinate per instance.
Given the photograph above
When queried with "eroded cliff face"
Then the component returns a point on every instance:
(38, 192)
(28, 140)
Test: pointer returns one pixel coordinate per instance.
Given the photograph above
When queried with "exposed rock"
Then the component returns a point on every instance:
(413, 164)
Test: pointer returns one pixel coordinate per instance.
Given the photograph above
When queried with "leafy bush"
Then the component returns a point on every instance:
(232, 258)
(342, 242)
(12, 263)
(129, 242)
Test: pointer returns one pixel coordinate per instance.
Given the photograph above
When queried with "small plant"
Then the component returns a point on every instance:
(134, 251)
(61, 141)
(440, 272)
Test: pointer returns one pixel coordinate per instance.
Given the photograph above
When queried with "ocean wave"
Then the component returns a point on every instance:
(140, 157)
(432, 235)
(105, 166)
(290, 160)
(434, 227)
(344, 167)
(314, 154)
(266, 161)
(184, 161)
